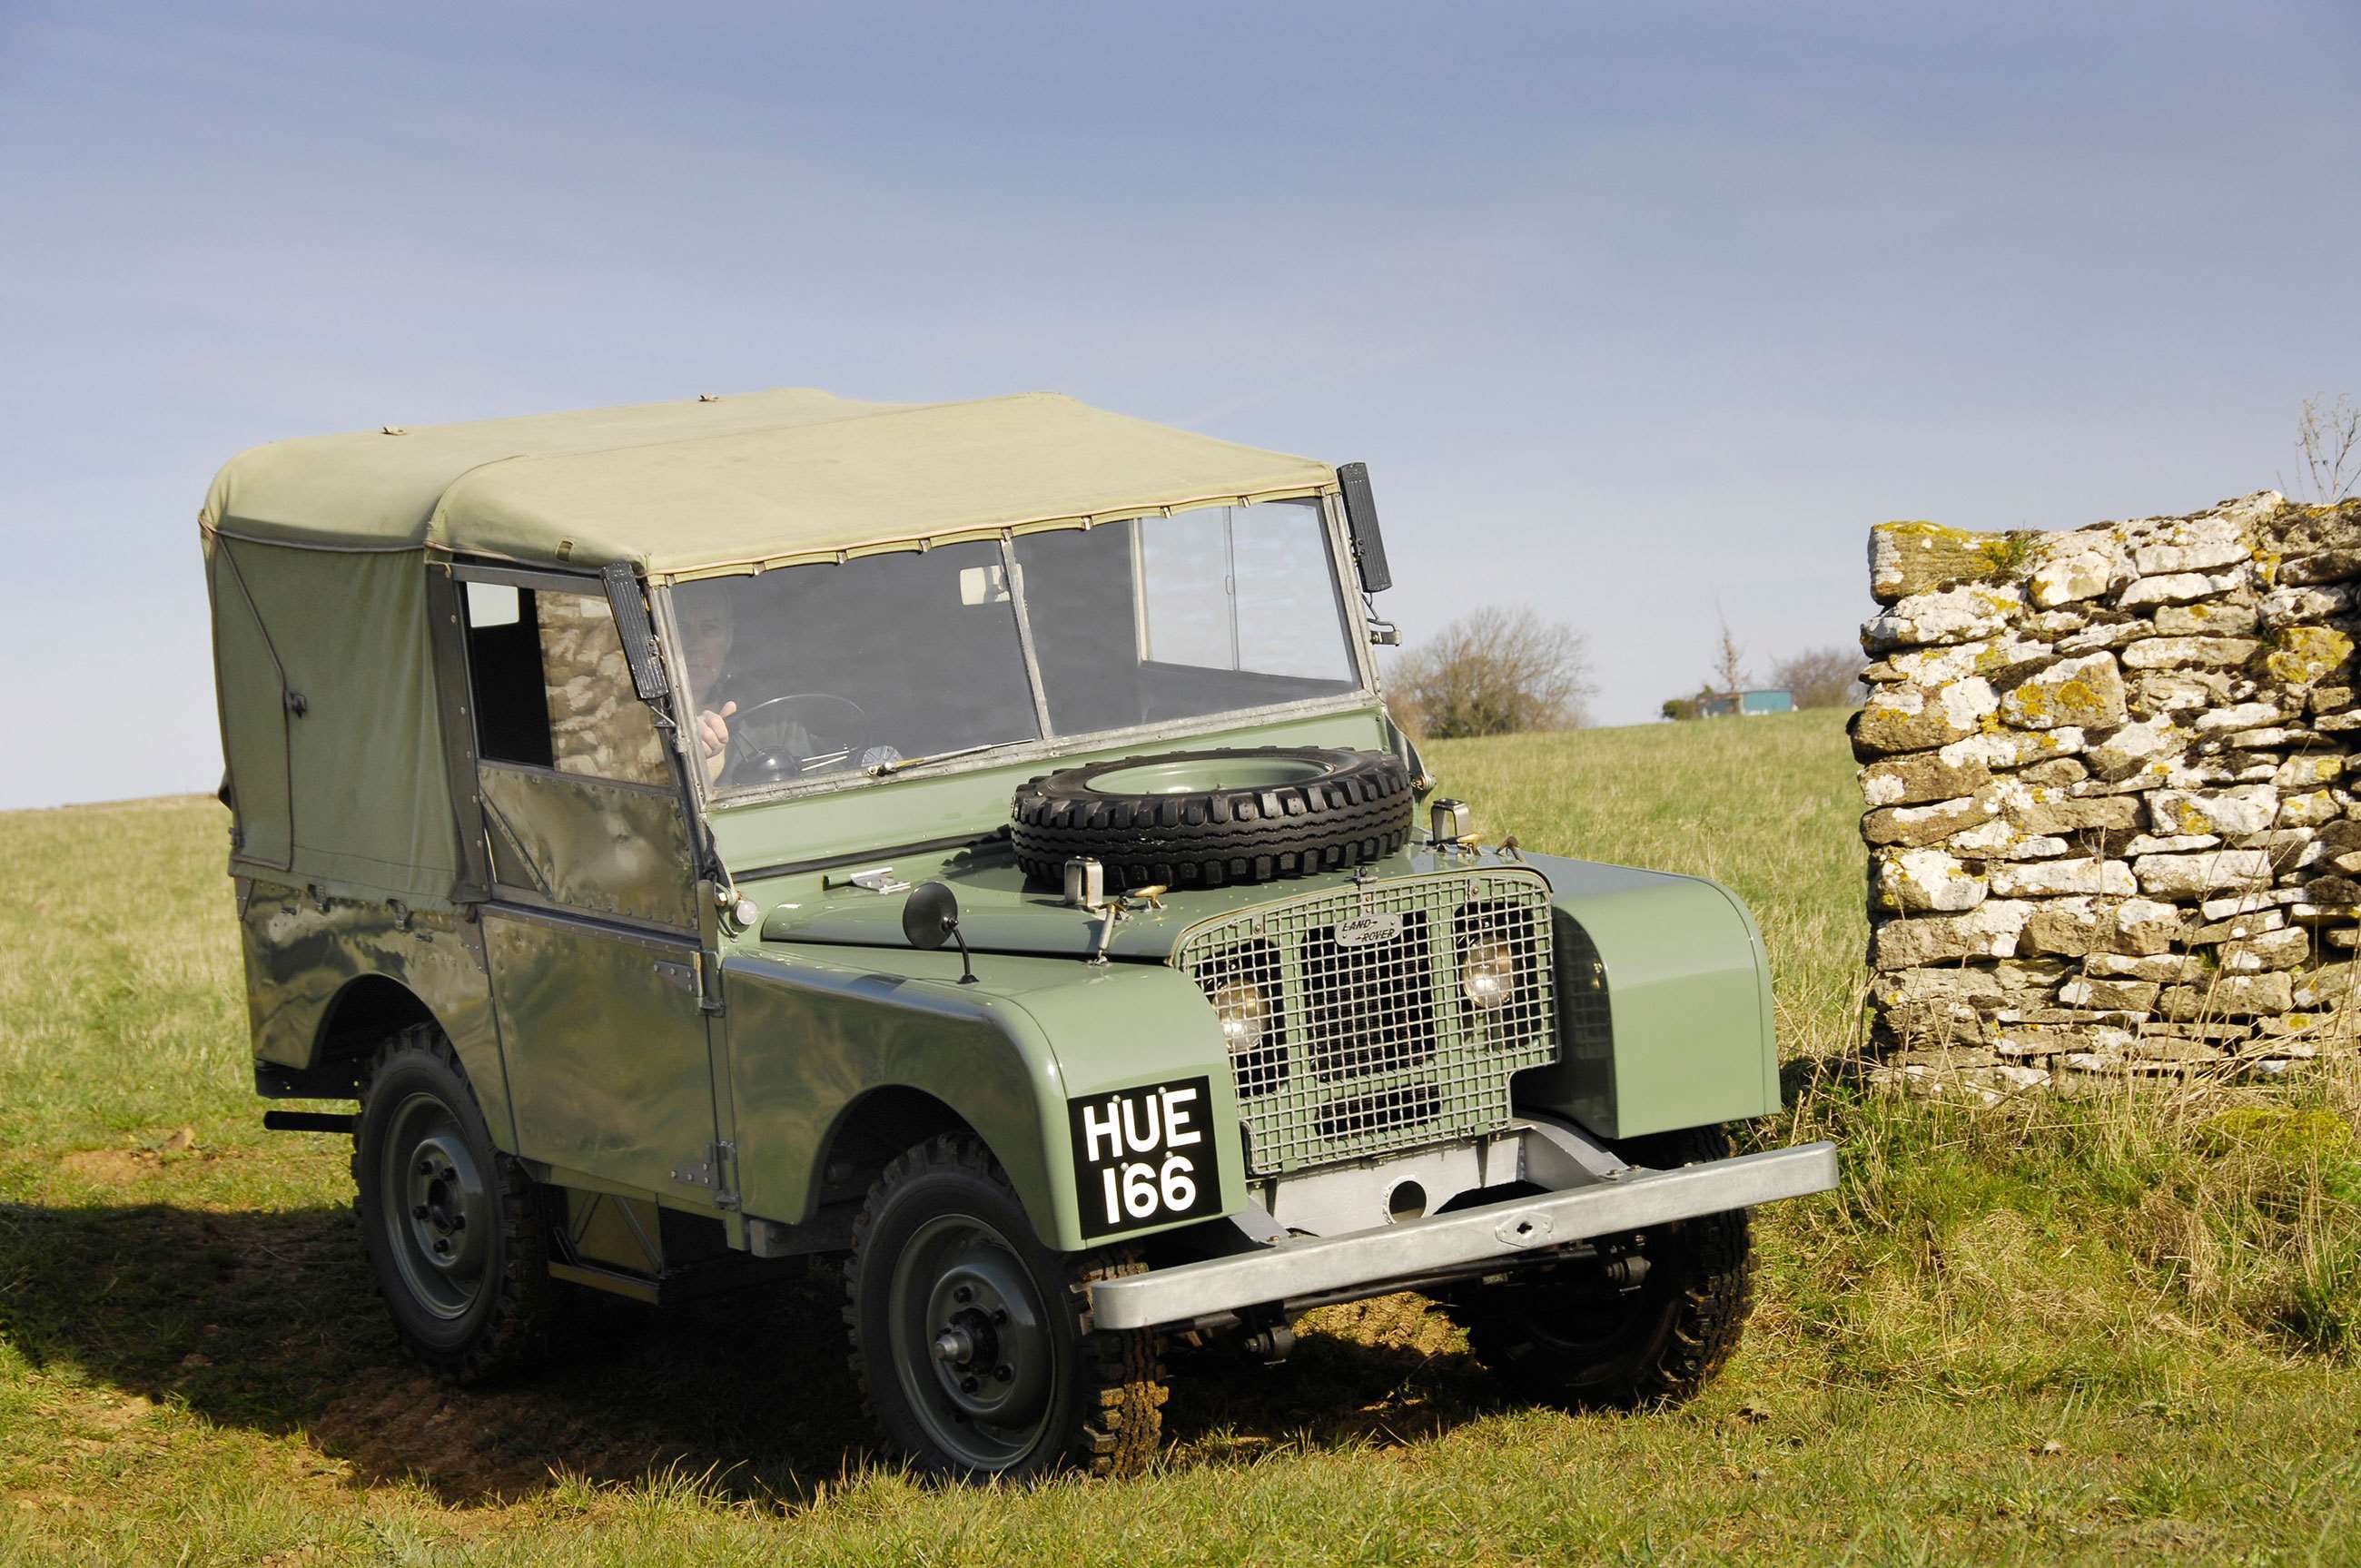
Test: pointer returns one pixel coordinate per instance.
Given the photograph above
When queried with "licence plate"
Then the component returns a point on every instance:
(1144, 1157)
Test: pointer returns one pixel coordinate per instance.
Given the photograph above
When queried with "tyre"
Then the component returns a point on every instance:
(1208, 819)
(452, 1227)
(972, 1342)
(1573, 1335)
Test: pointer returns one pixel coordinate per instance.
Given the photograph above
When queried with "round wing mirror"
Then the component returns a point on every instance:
(930, 915)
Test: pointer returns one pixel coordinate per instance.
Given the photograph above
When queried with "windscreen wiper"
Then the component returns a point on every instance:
(879, 770)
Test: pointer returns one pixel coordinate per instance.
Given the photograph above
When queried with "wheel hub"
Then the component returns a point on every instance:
(975, 1347)
(440, 1215)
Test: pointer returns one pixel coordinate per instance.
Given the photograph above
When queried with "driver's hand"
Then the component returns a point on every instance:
(713, 729)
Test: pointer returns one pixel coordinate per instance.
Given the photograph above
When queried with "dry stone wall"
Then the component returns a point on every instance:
(2110, 808)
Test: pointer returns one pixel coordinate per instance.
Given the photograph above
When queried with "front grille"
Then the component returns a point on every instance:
(1368, 1041)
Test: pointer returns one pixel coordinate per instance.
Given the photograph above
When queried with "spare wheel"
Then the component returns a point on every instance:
(1207, 819)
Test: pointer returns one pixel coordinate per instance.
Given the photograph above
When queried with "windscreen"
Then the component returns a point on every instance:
(883, 661)
(812, 671)
(1211, 610)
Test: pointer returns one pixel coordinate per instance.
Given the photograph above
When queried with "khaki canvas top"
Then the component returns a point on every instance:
(731, 483)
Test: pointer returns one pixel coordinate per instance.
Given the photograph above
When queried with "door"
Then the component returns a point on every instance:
(592, 929)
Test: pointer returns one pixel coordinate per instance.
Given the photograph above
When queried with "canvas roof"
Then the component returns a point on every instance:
(766, 479)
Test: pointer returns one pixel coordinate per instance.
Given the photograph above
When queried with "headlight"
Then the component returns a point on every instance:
(1243, 1011)
(1487, 974)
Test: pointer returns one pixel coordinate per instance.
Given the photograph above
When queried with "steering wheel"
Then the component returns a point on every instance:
(752, 762)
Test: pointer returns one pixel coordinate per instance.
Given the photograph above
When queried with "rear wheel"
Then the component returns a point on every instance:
(452, 1227)
(1584, 1333)
(972, 1342)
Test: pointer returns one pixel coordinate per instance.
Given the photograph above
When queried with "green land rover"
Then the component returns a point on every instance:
(963, 843)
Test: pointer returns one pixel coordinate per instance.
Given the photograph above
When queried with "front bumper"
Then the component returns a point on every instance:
(1367, 1262)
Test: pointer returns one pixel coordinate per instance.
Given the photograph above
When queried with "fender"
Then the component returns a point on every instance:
(813, 1028)
(1663, 999)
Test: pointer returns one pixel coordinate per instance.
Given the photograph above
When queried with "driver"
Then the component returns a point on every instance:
(706, 630)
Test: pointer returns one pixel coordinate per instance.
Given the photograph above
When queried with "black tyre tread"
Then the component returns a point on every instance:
(1121, 1392)
(1360, 812)
(1716, 1296)
(515, 1337)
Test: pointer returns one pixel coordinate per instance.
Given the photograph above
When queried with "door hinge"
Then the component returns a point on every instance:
(709, 983)
(716, 1173)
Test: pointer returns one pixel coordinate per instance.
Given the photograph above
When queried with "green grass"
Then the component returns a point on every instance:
(2117, 1327)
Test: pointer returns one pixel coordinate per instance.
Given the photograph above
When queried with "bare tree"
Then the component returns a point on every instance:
(1494, 671)
(2329, 436)
(1729, 661)
(1821, 677)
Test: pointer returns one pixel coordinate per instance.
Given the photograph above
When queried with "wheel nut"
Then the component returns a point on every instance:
(425, 1168)
(968, 1385)
(963, 1295)
(459, 1221)
(441, 1246)
(999, 1316)
(1004, 1372)
(419, 1213)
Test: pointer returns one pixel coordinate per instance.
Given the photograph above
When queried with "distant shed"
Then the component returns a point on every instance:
(1746, 703)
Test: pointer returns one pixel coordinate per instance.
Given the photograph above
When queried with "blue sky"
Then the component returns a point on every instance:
(1633, 310)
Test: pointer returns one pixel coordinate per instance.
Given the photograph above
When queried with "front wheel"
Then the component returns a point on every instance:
(972, 1342)
(1587, 1335)
(452, 1226)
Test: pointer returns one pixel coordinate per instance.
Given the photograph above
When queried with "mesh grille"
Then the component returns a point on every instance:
(1370, 1041)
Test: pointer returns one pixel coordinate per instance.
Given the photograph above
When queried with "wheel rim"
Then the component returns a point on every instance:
(435, 1205)
(972, 1341)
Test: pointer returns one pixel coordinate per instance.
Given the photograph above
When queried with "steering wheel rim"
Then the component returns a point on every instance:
(745, 754)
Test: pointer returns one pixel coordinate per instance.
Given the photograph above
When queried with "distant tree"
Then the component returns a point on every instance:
(2329, 436)
(1494, 671)
(1821, 677)
(1728, 662)
(1679, 708)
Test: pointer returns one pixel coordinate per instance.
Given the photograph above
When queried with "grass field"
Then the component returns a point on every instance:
(2119, 1327)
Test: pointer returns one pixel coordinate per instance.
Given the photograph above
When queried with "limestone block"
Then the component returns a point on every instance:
(2145, 926)
(2248, 808)
(2086, 692)
(2178, 691)
(2047, 879)
(1995, 659)
(1996, 840)
(2042, 811)
(2175, 587)
(1919, 882)
(2187, 876)
(2202, 652)
(1950, 984)
(2309, 809)
(2214, 619)
(2193, 545)
(2011, 748)
(2058, 772)
(1920, 776)
(2229, 996)
(2068, 928)
(1911, 558)
(2309, 529)
(2331, 985)
(2069, 567)
(2105, 635)
(2283, 948)
(2124, 996)
(1915, 718)
(2309, 771)
(1989, 930)
(2238, 716)
(2170, 844)
(1952, 615)
(1914, 826)
(2326, 566)
(2164, 967)
(2285, 607)
(2306, 655)
(2137, 748)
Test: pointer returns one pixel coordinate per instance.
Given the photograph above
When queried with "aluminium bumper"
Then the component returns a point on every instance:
(1417, 1249)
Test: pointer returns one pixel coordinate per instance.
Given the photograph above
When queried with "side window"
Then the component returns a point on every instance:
(552, 688)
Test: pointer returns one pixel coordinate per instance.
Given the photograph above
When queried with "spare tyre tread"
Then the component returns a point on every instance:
(1359, 811)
